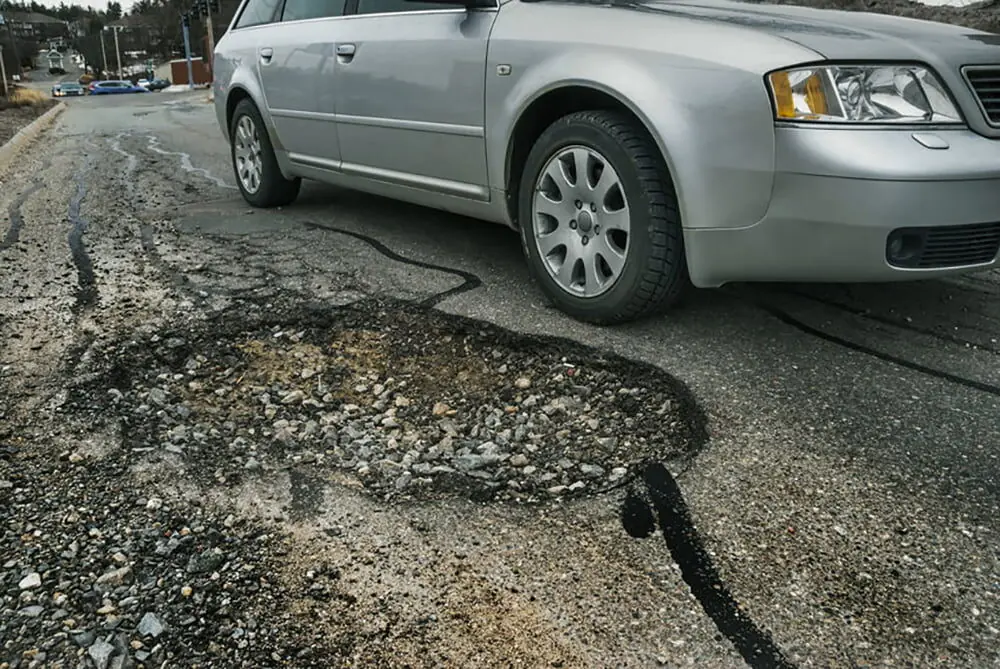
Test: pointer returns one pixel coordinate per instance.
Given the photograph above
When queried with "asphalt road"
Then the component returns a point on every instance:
(846, 495)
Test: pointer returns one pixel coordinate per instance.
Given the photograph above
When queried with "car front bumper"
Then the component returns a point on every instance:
(839, 193)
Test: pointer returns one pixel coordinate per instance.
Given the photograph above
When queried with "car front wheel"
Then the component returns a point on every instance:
(599, 219)
(256, 167)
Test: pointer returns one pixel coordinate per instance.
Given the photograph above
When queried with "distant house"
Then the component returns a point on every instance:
(178, 72)
(35, 27)
(55, 60)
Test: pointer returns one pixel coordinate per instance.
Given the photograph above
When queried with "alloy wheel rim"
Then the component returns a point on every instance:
(580, 221)
(247, 151)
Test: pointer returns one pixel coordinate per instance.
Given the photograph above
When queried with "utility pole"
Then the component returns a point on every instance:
(3, 68)
(104, 55)
(186, 24)
(3, 73)
(118, 51)
(210, 56)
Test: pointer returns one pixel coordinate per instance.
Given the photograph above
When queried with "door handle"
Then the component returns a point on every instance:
(345, 52)
(266, 54)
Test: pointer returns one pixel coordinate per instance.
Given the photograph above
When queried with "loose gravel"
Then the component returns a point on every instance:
(100, 571)
(414, 404)
(96, 575)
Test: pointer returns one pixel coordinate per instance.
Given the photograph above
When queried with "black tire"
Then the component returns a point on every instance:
(654, 276)
(274, 190)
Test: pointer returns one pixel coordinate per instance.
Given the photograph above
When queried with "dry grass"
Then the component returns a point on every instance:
(25, 98)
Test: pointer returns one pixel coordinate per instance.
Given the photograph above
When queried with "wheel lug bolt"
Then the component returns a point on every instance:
(579, 205)
(597, 229)
(572, 225)
(585, 240)
(593, 207)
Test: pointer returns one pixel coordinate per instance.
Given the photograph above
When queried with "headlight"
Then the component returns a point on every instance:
(861, 94)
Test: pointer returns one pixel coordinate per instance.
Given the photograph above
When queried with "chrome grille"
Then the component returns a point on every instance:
(985, 83)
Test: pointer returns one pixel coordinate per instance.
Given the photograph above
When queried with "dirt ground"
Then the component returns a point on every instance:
(12, 119)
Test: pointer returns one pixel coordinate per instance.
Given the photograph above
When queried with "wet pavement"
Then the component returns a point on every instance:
(838, 509)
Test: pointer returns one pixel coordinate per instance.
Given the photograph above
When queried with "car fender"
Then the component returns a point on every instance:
(247, 82)
(710, 145)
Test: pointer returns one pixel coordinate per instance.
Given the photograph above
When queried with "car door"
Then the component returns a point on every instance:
(410, 102)
(295, 58)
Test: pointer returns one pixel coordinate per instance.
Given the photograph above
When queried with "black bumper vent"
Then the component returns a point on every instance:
(940, 247)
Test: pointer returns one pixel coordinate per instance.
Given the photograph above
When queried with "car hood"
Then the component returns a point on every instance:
(838, 34)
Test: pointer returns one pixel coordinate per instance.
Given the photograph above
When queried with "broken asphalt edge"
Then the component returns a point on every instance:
(27, 134)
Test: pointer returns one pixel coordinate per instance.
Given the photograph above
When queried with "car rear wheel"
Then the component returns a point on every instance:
(599, 219)
(257, 173)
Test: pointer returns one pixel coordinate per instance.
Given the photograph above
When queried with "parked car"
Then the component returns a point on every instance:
(67, 89)
(115, 87)
(144, 83)
(637, 147)
(159, 84)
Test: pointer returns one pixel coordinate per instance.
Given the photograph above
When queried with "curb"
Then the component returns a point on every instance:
(26, 135)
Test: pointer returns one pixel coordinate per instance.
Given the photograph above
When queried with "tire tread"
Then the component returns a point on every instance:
(664, 279)
(275, 190)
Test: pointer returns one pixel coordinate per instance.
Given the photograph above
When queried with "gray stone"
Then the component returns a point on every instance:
(150, 625)
(31, 581)
(469, 463)
(84, 639)
(116, 577)
(100, 652)
(292, 397)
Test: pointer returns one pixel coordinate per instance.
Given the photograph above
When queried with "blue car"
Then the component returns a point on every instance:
(115, 87)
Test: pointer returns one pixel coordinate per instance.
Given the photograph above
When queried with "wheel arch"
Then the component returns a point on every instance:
(241, 90)
(557, 99)
(236, 95)
(553, 102)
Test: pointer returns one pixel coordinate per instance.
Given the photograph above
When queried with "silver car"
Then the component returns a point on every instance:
(638, 146)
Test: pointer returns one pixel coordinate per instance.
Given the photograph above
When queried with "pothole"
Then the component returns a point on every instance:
(410, 402)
